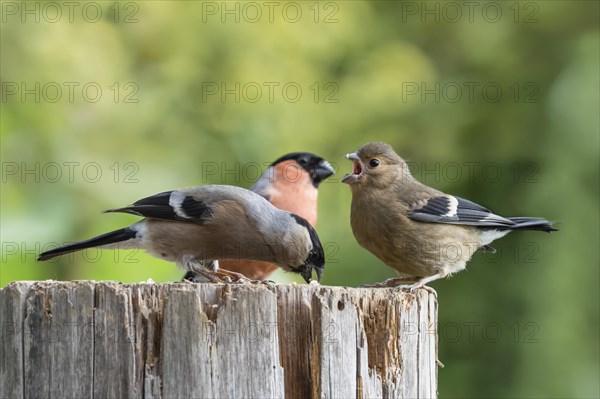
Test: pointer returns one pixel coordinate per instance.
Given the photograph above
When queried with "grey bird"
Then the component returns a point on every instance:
(417, 230)
(290, 183)
(212, 222)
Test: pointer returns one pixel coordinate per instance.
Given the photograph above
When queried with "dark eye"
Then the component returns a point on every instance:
(302, 161)
(374, 163)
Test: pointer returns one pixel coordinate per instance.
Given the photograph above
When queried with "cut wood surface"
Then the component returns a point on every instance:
(86, 339)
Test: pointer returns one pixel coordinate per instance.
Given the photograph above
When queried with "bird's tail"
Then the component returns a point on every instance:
(105, 239)
(526, 223)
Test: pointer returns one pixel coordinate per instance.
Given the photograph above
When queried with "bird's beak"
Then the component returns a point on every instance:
(353, 156)
(319, 271)
(357, 169)
(323, 171)
(307, 273)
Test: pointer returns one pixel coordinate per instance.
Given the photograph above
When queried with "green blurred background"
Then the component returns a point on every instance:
(104, 103)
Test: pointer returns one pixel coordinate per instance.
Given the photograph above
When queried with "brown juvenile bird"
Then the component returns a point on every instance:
(419, 231)
(290, 183)
(203, 223)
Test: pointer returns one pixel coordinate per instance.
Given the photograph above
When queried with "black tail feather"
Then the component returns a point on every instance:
(104, 239)
(527, 223)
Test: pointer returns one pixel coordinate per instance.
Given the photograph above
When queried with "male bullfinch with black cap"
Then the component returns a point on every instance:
(419, 231)
(290, 183)
(203, 223)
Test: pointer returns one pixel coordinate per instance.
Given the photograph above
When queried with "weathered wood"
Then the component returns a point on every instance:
(12, 305)
(104, 339)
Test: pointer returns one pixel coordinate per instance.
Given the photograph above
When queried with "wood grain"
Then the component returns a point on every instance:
(86, 339)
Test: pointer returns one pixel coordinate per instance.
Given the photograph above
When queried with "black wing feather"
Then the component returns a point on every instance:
(436, 206)
(158, 207)
(439, 210)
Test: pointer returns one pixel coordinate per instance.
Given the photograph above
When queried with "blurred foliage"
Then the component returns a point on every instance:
(522, 324)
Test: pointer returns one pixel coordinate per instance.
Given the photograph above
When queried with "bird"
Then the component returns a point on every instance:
(203, 223)
(422, 233)
(290, 183)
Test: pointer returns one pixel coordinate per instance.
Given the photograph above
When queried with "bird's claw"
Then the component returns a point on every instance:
(382, 284)
(396, 284)
(413, 288)
(232, 277)
(403, 287)
(389, 283)
(222, 276)
(238, 278)
(262, 282)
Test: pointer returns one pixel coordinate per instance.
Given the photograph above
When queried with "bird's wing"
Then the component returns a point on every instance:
(176, 205)
(455, 210)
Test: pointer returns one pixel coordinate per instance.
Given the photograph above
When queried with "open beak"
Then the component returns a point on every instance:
(357, 169)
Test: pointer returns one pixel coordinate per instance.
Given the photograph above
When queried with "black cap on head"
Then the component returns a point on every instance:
(317, 167)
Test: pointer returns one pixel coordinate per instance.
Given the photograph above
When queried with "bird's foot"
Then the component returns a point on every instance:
(239, 278)
(200, 271)
(390, 282)
(232, 277)
(220, 276)
(422, 281)
(414, 287)
(202, 276)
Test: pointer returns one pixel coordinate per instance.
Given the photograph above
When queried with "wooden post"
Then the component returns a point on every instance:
(87, 339)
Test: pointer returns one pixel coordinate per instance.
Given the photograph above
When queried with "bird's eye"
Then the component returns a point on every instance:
(374, 163)
(302, 161)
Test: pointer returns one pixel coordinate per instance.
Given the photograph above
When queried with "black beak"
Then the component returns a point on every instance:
(319, 271)
(307, 273)
(322, 172)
